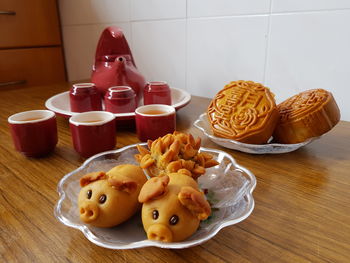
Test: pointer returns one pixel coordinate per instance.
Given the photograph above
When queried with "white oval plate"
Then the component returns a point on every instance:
(229, 185)
(202, 123)
(60, 104)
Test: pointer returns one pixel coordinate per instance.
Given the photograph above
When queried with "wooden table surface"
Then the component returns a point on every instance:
(302, 199)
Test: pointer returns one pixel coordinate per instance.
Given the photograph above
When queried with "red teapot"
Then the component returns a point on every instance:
(115, 65)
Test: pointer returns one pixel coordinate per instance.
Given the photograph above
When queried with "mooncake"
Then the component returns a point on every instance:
(244, 111)
(308, 114)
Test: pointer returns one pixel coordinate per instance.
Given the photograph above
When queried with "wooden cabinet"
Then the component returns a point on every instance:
(30, 43)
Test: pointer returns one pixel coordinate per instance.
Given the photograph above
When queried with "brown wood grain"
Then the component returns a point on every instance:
(35, 23)
(302, 209)
(34, 66)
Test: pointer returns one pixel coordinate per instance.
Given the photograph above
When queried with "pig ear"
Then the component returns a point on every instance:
(127, 186)
(91, 177)
(153, 188)
(194, 201)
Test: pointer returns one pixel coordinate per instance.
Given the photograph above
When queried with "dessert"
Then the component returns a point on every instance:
(176, 152)
(173, 207)
(244, 111)
(308, 114)
(108, 199)
(172, 203)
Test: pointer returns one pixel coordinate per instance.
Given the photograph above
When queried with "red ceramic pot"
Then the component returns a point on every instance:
(84, 97)
(157, 92)
(34, 133)
(120, 99)
(154, 121)
(114, 64)
(93, 132)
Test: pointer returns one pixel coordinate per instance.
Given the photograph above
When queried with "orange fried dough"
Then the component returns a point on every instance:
(177, 152)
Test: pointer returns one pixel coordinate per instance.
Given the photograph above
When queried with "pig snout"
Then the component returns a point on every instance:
(159, 232)
(88, 212)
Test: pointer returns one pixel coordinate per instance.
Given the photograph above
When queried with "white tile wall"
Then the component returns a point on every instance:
(157, 9)
(225, 49)
(306, 52)
(77, 12)
(109, 11)
(204, 8)
(200, 45)
(308, 5)
(159, 48)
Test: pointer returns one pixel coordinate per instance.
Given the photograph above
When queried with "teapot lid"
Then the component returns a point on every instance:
(112, 43)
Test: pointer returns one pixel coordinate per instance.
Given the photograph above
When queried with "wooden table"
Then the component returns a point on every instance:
(302, 210)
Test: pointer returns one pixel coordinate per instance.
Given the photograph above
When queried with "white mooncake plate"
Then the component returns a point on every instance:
(202, 123)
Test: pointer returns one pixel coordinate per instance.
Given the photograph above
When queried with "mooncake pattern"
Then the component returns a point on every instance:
(308, 114)
(244, 111)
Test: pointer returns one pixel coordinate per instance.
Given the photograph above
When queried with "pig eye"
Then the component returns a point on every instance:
(173, 220)
(155, 214)
(89, 194)
(102, 199)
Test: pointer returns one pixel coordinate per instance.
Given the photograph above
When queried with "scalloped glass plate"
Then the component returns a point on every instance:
(202, 123)
(59, 104)
(229, 190)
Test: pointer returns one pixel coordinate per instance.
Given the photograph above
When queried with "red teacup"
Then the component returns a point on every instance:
(34, 133)
(93, 132)
(154, 121)
(120, 99)
(84, 97)
(157, 92)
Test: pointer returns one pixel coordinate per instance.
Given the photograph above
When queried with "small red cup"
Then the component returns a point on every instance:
(157, 92)
(154, 121)
(120, 99)
(34, 133)
(93, 132)
(84, 97)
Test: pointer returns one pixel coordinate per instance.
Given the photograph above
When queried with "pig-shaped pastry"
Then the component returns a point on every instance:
(172, 208)
(108, 199)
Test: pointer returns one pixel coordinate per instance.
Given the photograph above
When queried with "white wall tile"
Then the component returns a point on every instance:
(108, 11)
(200, 8)
(74, 12)
(223, 50)
(159, 49)
(308, 5)
(157, 9)
(80, 44)
(77, 12)
(309, 51)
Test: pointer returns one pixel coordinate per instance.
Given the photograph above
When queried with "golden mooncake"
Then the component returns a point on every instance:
(244, 111)
(308, 114)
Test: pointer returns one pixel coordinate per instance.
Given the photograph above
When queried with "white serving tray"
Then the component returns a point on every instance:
(60, 104)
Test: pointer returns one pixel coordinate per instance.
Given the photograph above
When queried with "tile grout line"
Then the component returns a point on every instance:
(268, 35)
(213, 17)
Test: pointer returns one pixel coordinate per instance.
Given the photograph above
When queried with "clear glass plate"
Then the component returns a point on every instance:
(229, 189)
(202, 123)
